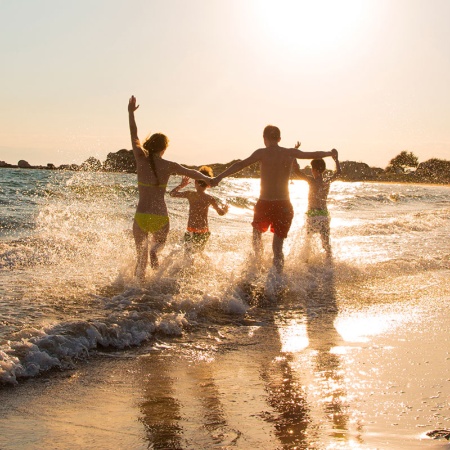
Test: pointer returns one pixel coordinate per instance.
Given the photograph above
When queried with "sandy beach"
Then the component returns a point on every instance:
(320, 376)
(297, 297)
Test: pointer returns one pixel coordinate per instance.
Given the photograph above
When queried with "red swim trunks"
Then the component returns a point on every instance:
(274, 214)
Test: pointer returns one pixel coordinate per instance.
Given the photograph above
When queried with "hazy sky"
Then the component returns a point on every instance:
(369, 77)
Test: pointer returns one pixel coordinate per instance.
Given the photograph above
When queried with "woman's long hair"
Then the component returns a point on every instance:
(156, 143)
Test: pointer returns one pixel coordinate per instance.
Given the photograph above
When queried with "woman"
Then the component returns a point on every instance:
(153, 173)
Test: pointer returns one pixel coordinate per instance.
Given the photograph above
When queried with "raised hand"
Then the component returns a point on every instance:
(184, 182)
(132, 104)
(297, 145)
(334, 154)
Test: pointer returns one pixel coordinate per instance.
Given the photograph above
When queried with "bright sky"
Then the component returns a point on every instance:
(368, 77)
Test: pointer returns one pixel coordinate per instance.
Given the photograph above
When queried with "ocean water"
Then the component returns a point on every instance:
(67, 257)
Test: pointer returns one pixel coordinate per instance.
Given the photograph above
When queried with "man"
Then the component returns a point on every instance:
(273, 209)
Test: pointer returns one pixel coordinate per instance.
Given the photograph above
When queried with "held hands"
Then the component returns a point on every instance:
(132, 104)
(214, 182)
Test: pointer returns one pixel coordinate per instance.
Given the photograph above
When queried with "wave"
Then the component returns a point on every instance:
(421, 222)
(241, 202)
(179, 298)
(388, 199)
(92, 191)
(30, 252)
(13, 224)
(138, 316)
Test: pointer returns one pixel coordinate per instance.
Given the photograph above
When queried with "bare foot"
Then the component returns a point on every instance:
(139, 273)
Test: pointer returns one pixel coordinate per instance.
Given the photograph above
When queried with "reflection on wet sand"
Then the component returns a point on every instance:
(287, 397)
(160, 408)
(310, 375)
(281, 387)
(322, 311)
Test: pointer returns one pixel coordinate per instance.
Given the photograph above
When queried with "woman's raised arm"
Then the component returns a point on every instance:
(137, 149)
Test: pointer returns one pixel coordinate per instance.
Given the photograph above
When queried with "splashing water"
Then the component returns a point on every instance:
(67, 258)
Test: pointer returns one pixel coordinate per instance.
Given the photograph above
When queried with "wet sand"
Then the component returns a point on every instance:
(322, 375)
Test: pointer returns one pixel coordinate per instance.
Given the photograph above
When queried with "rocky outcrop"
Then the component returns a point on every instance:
(24, 164)
(434, 170)
(6, 165)
(121, 161)
(91, 165)
(73, 167)
(352, 171)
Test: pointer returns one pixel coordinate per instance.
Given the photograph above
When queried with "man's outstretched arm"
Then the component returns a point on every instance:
(237, 167)
(311, 155)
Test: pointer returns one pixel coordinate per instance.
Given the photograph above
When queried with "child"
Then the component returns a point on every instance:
(317, 216)
(197, 233)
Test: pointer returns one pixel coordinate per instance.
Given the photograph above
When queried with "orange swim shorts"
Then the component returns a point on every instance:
(274, 214)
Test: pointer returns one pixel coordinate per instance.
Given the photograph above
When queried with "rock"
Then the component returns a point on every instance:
(434, 170)
(73, 167)
(121, 161)
(352, 170)
(91, 165)
(24, 164)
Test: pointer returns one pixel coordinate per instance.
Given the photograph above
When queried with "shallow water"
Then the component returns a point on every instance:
(306, 376)
(309, 366)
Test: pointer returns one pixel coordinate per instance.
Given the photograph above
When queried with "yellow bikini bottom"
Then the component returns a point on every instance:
(150, 223)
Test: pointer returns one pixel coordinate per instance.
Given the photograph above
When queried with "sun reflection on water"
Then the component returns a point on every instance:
(360, 326)
(293, 336)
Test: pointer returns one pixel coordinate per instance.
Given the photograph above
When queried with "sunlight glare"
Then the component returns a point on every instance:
(359, 327)
(310, 26)
(293, 337)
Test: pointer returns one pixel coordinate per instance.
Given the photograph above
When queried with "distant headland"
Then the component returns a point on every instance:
(405, 167)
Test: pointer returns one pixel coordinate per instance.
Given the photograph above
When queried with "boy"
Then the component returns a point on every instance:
(197, 233)
(317, 216)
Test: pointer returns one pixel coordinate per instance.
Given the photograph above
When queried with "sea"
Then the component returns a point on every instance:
(67, 255)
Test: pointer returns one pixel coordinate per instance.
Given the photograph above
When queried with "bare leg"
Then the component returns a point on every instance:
(325, 237)
(306, 251)
(158, 242)
(257, 244)
(141, 242)
(278, 256)
(326, 243)
(308, 234)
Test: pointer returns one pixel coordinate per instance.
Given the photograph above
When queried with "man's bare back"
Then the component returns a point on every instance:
(276, 164)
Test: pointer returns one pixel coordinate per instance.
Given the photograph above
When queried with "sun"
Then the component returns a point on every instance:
(313, 26)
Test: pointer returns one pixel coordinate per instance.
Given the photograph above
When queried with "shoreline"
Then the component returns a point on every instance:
(353, 180)
(250, 386)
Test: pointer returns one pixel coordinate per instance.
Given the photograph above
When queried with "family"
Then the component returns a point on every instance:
(273, 209)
